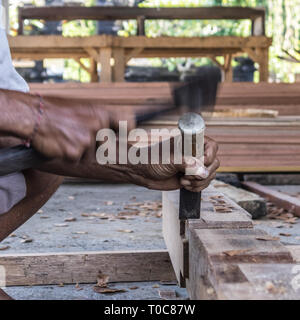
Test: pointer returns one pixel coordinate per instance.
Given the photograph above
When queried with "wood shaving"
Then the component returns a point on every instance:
(232, 253)
(267, 238)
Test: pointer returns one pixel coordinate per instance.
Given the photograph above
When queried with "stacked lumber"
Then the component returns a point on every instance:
(221, 255)
(263, 144)
(281, 97)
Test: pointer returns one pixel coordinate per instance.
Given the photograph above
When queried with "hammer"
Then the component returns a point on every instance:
(192, 128)
(198, 93)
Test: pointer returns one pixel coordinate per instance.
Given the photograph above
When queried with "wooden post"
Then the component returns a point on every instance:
(20, 21)
(228, 68)
(141, 26)
(106, 68)
(120, 64)
(258, 26)
(93, 70)
(263, 54)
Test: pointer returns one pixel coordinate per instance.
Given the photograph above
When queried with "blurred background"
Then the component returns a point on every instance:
(282, 23)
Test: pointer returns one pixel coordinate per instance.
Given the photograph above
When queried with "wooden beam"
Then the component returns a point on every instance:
(106, 74)
(119, 65)
(249, 201)
(228, 68)
(174, 229)
(93, 53)
(105, 41)
(126, 13)
(285, 201)
(226, 258)
(263, 64)
(141, 26)
(84, 267)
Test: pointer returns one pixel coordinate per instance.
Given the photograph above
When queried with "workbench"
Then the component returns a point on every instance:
(113, 52)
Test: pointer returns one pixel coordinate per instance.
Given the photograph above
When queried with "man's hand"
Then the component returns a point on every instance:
(172, 177)
(65, 130)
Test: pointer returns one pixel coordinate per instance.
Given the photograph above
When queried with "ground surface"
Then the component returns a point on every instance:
(108, 217)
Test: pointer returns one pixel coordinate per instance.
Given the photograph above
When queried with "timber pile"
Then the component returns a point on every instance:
(284, 98)
(246, 144)
(221, 255)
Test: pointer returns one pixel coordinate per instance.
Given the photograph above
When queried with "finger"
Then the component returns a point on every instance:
(210, 170)
(210, 151)
(198, 189)
(200, 183)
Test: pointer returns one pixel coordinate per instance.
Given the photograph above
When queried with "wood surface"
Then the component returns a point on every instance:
(84, 267)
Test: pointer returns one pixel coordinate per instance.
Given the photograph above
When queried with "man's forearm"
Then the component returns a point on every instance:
(17, 113)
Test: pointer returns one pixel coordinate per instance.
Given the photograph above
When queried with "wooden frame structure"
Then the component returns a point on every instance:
(104, 50)
(113, 53)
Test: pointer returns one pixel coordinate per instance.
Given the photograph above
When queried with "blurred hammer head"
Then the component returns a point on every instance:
(199, 91)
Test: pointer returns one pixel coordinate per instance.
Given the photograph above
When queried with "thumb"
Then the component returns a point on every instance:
(192, 166)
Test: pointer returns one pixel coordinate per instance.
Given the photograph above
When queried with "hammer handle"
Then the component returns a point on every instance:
(18, 158)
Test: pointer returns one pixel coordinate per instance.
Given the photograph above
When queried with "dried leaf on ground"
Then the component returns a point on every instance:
(26, 240)
(273, 289)
(125, 230)
(102, 280)
(84, 214)
(61, 225)
(168, 282)
(232, 253)
(167, 294)
(267, 238)
(72, 219)
(2, 248)
(77, 287)
(108, 290)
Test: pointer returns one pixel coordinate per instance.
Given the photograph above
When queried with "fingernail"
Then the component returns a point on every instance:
(186, 183)
(202, 172)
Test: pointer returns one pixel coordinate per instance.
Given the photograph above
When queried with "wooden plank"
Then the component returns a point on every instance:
(36, 43)
(216, 242)
(106, 74)
(285, 201)
(249, 201)
(126, 13)
(84, 267)
(263, 282)
(174, 230)
(215, 256)
(295, 252)
(119, 65)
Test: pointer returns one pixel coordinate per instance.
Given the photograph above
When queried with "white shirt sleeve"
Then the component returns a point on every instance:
(13, 186)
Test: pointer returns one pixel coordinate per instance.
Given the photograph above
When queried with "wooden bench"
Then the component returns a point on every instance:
(104, 49)
(53, 13)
